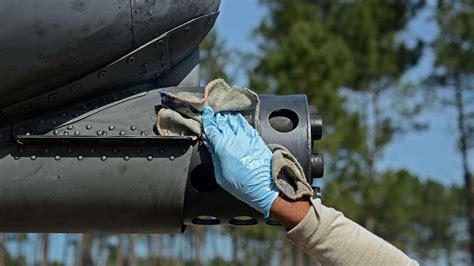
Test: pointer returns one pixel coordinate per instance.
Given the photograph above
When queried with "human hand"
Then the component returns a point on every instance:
(242, 161)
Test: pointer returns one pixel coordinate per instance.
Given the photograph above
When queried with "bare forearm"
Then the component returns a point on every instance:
(289, 212)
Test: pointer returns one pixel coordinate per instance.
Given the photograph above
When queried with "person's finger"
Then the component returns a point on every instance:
(215, 162)
(233, 122)
(207, 111)
(248, 129)
(223, 126)
(210, 128)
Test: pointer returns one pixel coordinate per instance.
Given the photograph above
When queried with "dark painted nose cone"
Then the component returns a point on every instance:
(317, 165)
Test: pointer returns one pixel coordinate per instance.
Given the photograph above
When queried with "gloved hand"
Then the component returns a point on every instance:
(242, 161)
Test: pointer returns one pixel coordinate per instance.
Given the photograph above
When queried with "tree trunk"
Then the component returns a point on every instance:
(199, 233)
(86, 247)
(132, 258)
(463, 148)
(119, 255)
(2, 250)
(20, 259)
(235, 234)
(285, 253)
(44, 249)
(373, 149)
(298, 256)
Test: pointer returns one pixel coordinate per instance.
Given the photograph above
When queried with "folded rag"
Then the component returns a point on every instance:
(180, 115)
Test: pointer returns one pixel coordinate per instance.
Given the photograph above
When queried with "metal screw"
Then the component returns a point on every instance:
(77, 133)
(100, 132)
(88, 127)
(126, 157)
(131, 59)
(103, 157)
(33, 157)
(172, 158)
(69, 127)
(133, 127)
(149, 157)
(111, 127)
(121, 133)
(80, 157)
(102, 74)
(143, 133)
(26, 107)
(16, 158)
(27, 133)
(53, 96)
(66, 133)
(75, 87)
(187, 30)
(56, 132)
(57, 157)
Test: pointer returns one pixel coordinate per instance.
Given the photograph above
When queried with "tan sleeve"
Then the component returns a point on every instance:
(335, 240)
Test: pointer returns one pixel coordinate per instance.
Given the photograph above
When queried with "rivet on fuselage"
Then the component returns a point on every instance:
(102, 74)
(75, 87)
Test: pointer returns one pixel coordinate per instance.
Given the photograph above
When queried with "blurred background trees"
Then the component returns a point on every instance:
(350, 58)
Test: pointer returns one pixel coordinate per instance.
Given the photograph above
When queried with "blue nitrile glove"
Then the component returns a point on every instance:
(242, 161)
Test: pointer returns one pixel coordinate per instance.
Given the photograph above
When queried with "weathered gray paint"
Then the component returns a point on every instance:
(79, 93)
